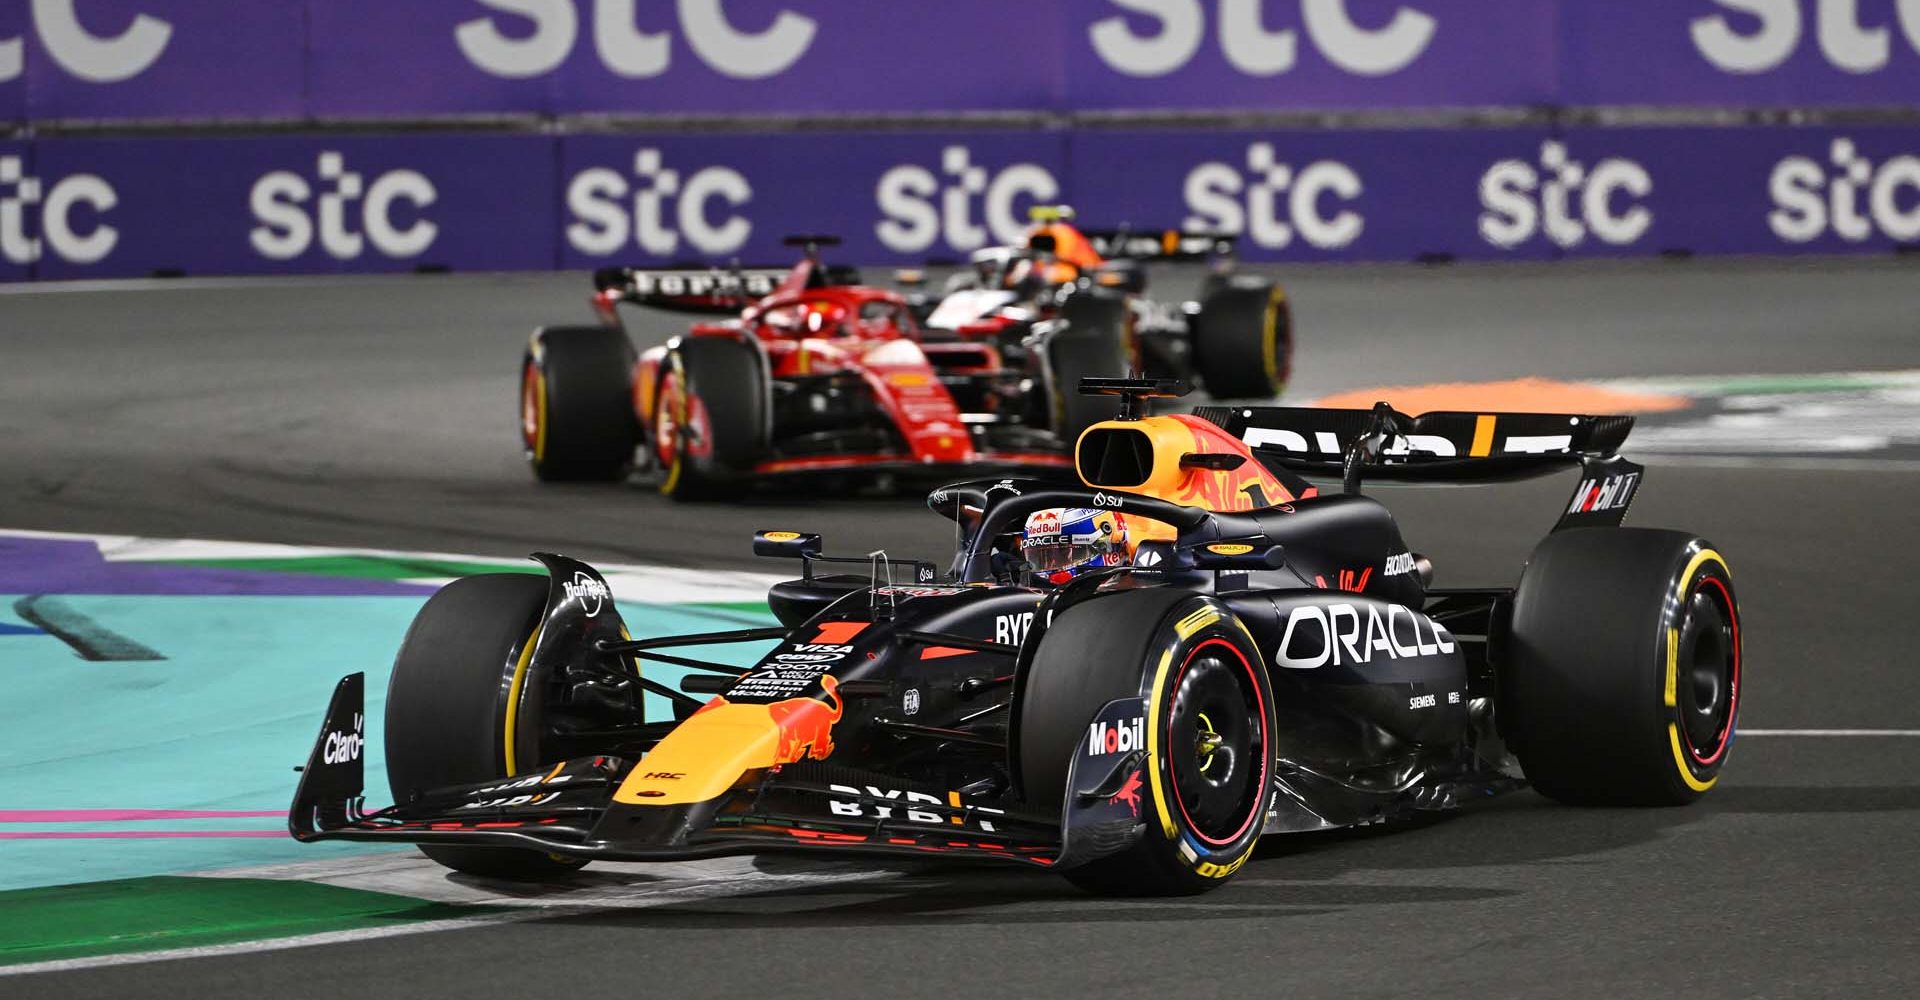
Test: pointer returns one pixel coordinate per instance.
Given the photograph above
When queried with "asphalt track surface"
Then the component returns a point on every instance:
(380, 412)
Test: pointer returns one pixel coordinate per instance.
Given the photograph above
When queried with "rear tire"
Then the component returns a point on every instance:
(1096, 343)
(446, 711)
(576, 404)
(1204, 811)
(1243, 341)
(710, 426)
(1623, 680)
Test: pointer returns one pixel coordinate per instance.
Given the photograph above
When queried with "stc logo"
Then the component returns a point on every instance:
(1565, 199)
(604, 222)
(623, 48)
(1223, 200)
(1844, 41)
(83, 54)
(287, 227)
(1803, 211)
(1181, 27)
(920, 208)
(20, 194)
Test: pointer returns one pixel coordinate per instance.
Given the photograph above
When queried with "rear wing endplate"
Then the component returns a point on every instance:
(1445, 447)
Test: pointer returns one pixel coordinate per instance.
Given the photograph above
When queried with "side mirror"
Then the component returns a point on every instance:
(786, 544)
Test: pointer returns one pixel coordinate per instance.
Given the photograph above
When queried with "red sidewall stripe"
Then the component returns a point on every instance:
(1260, 789)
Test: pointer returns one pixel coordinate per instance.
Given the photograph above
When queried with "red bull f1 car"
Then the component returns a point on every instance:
(1268, 658)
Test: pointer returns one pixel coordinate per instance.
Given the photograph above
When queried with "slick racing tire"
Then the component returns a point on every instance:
(1623, 673)
(1243, 340)
(1206, 774)
(710, 421)
(445, 707)
(1096, 343)
(576, 404)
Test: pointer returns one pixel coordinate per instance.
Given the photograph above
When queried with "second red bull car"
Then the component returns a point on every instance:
(1237, 654)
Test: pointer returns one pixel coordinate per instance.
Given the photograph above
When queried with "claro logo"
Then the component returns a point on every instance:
(108, 58)
(920, 208)
(1565, 199)
(1763, 34)
(658, 208)
(1157, 37)
(1812, 198)
(1274, 201)
(70, 214)
(536, 36)
(343, 210)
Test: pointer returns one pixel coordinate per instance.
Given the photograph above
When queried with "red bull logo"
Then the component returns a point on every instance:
(806, 724)
(1129, 793)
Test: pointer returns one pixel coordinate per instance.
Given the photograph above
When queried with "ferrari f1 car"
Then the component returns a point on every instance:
(1266, 659)
(813, 374)
(1234, 337)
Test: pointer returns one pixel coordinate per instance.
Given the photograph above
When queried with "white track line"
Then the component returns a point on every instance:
(1828, 732)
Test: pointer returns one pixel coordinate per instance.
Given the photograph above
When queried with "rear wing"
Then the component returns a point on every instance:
(1159, 244)
(704, 290)
(1445, 447)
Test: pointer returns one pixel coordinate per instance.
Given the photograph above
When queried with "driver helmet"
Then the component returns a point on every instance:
(1061, 543)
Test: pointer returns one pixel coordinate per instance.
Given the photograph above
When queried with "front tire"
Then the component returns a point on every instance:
(1243, 341)
(446, 707)
(1623, 678)
(1209, 763)
(576, 404)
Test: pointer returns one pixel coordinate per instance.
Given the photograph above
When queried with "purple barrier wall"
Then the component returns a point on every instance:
(18, 249)
(1309, 53)
(287, 204)
(1768, 53)
(890, 196)
(1303, 195)
(329, 59)
(112, 207)
(406, 57)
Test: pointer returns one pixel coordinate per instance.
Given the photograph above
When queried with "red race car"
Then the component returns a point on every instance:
(812, 373)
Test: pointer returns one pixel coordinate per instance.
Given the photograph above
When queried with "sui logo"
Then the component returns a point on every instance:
(1565, 199)
(920, 208)
(343, 210)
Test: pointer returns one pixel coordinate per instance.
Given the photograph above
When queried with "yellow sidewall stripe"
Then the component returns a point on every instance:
(513, 696)
(1700, 559)
(1153, 748)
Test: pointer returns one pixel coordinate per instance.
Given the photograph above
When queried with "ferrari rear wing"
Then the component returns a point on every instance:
(707, 291)
(1445, 447)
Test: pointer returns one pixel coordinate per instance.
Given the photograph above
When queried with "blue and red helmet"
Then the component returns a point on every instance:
(1060, 544)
